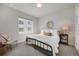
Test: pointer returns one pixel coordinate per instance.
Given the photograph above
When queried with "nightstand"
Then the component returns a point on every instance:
(64, 38)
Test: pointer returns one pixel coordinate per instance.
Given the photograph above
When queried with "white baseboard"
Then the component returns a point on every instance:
(20, 41)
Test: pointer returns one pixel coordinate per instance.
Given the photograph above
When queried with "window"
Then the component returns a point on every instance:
(25, 26)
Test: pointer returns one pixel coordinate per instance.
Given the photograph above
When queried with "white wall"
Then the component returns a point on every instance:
(64, 16)
(9, 20)
(77, 27)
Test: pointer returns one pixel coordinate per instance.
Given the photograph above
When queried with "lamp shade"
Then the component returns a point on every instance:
(65, 28)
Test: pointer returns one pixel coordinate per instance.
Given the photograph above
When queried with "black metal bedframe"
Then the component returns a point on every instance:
(39, 47)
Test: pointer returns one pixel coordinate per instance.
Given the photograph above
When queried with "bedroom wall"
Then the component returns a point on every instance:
(77, 26)
(60, 18)
(9, 20)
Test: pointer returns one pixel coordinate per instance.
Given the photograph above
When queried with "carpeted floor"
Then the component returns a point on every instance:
(25, 50)
(66, 50)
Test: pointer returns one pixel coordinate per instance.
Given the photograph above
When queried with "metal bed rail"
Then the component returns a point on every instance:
(41, 47)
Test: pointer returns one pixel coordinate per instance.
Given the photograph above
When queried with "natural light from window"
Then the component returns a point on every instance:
(25, 26)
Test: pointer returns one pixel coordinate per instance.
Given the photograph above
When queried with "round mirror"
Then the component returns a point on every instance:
(50, 24)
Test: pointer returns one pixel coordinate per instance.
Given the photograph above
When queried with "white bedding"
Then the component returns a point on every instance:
(51, 40)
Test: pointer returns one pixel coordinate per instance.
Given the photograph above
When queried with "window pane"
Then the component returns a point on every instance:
(21, 22)
(21, 29)
(25, 26)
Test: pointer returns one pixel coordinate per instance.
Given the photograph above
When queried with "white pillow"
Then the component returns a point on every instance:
(54, 32)
(44, 30)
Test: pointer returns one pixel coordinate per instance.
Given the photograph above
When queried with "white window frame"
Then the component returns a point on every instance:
(27, 27)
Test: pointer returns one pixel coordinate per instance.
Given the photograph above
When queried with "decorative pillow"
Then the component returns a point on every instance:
(47, 33)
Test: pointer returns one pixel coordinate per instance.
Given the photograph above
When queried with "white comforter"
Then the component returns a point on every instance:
(51, 40)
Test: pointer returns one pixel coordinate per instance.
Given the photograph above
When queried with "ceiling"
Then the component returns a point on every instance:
(47, 8)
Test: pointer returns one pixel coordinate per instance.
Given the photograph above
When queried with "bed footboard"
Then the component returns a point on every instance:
(41, 46)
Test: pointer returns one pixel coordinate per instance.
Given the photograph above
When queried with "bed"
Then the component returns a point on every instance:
(48, 43)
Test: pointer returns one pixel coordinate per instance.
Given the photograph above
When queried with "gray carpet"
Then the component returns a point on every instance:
(66, 50)
(25, 50)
